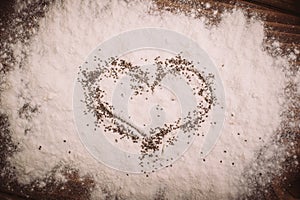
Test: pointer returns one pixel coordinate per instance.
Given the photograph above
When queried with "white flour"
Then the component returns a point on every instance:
(252, 79)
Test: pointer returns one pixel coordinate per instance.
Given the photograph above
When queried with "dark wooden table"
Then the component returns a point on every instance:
(282, 22)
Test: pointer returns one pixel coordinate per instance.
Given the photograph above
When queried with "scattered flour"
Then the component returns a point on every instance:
(252, 79)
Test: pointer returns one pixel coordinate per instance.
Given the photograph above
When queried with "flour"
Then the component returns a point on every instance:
(252, 79)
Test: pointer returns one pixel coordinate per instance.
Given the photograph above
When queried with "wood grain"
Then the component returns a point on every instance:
(282, 21)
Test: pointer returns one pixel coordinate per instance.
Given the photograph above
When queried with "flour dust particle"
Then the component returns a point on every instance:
(38, 91)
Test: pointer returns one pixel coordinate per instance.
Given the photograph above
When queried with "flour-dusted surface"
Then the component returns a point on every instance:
(45, 128)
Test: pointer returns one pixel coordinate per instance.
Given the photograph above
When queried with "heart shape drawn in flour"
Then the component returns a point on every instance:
(155, 140)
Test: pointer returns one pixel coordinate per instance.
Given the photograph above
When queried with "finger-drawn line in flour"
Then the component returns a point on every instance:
(108, 85)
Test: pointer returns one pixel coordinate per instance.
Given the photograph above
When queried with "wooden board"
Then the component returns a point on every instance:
(282, 21)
